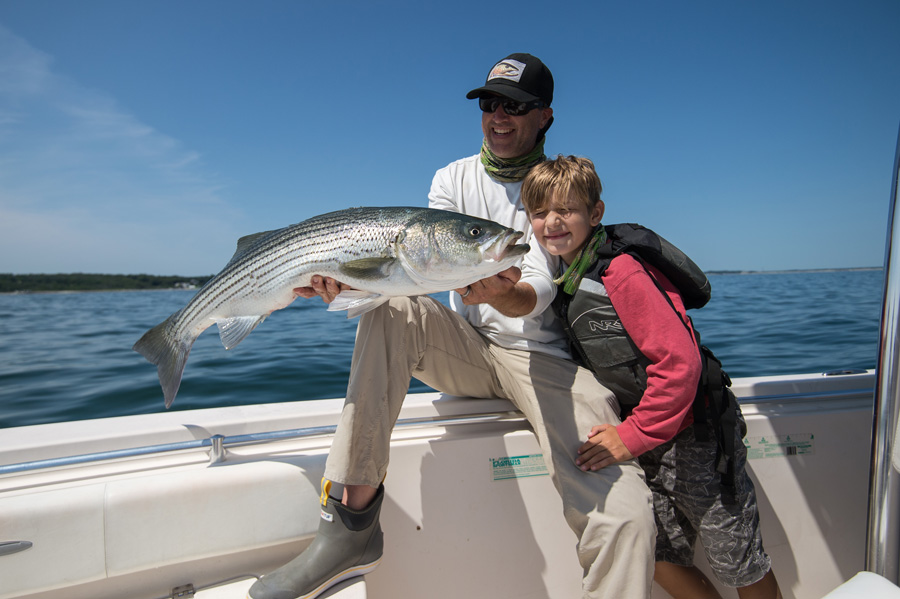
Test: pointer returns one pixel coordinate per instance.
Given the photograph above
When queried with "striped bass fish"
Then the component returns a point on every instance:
(380, 252)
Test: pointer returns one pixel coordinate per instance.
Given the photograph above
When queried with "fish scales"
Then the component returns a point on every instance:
(329, 233)
(317, 250)
(314, 244)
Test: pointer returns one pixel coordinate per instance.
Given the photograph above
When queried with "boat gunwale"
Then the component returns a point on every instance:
(218, 444)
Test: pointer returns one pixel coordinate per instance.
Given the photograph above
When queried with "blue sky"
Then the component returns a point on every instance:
(146, 137)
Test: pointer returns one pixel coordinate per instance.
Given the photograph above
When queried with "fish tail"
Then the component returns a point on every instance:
(168, 352)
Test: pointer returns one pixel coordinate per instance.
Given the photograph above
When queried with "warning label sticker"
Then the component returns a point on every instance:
(520, 466)
(777, 446)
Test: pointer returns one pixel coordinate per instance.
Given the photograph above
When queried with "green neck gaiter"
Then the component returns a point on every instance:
(510, 171)
(588, 254)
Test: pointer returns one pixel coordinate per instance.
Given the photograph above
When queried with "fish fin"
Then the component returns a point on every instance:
(369, 268)
(169, 353)
(245, 242)
(356, 302)
(233, 330)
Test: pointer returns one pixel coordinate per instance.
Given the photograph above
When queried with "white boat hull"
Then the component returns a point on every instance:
(459, 521)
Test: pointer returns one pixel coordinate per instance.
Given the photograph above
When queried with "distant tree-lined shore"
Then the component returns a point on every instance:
(10, 283)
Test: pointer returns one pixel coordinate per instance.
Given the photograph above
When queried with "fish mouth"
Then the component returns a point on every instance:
(504, 246)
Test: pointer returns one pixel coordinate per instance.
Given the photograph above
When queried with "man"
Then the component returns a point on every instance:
(498, 340)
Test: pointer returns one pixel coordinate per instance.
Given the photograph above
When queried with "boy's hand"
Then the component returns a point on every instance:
(603, 448)
(324, 287)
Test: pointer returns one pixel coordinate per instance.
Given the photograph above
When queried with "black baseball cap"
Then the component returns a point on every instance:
(521, 77)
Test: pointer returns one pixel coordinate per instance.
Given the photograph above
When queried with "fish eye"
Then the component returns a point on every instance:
(475, 231)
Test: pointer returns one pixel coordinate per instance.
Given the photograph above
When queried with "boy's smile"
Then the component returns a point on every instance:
(557, 239)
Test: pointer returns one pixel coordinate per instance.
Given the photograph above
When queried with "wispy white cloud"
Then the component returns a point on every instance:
(87, 186)
(24, 71)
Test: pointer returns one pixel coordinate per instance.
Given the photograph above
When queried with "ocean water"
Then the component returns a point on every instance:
(67, 356)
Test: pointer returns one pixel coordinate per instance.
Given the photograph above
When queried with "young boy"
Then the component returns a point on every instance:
(642, 346)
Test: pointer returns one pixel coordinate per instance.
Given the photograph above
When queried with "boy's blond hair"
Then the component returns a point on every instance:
(557, 178)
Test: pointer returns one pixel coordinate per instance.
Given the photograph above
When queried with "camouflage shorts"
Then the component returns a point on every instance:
(687, 501)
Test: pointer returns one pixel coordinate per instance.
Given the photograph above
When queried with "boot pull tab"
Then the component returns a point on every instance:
(326, 488)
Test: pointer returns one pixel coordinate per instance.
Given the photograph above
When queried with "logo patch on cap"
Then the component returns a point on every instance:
(507, 69)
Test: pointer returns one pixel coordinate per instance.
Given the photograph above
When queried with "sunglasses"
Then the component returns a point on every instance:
(510, 107)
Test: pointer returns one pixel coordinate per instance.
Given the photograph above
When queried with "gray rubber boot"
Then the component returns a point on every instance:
(349, 543)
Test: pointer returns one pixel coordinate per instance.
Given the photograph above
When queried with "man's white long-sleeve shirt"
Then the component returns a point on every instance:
(464, 186)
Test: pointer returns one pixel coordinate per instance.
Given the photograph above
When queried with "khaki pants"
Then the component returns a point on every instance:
(610, 511)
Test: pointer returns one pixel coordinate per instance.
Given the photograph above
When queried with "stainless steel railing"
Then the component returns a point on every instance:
(883, 534)
(219, 444)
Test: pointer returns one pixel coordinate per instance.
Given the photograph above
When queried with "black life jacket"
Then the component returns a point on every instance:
(599, 341)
